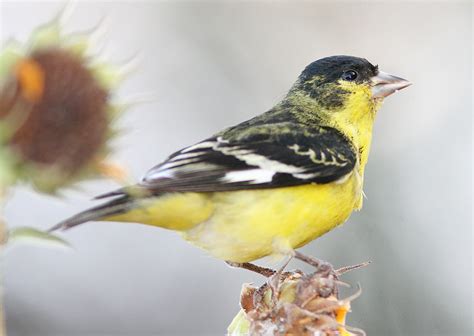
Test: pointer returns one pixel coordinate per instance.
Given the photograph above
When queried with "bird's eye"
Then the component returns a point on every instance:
(349, 75)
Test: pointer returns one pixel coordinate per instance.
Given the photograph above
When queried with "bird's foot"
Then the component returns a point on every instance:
(322, 267)
(326, 270)
(266, 272)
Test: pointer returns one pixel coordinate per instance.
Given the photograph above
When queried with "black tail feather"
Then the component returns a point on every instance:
(118, 192)
(136, 190)
(113, 207)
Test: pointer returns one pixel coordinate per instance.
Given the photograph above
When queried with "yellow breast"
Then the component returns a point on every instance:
(247, 225)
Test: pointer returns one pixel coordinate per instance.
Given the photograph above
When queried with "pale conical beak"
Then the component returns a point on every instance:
(384, 84)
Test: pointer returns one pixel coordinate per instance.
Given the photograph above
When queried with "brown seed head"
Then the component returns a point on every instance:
(58, 111)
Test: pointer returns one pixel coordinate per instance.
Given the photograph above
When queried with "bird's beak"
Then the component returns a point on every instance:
(384, 84)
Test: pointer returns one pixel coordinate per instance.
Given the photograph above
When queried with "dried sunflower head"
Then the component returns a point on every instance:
(302, 304)
(56, 109)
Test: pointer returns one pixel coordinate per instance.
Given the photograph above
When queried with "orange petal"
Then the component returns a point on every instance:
(31, 78)
(113, 171)
(341, 314)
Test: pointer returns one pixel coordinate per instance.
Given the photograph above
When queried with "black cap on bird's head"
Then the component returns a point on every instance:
(337, 69)
(334, 68)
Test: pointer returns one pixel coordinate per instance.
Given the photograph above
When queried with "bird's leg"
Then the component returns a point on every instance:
(266, 272)
(315, 262)
(320, 265)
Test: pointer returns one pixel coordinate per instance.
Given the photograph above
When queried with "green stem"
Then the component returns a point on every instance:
(3, 240)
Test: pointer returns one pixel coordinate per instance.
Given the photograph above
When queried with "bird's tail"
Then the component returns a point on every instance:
(112, 207)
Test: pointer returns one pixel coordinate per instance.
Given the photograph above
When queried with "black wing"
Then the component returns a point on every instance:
(267, 156)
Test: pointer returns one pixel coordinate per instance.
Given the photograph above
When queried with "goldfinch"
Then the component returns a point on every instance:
(270, 184)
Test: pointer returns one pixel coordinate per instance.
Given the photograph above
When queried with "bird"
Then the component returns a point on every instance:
(271, 184)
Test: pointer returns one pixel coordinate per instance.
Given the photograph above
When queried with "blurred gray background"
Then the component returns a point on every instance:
(209, 65)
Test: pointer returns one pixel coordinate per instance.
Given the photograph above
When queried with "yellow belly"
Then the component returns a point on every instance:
(242, 226)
